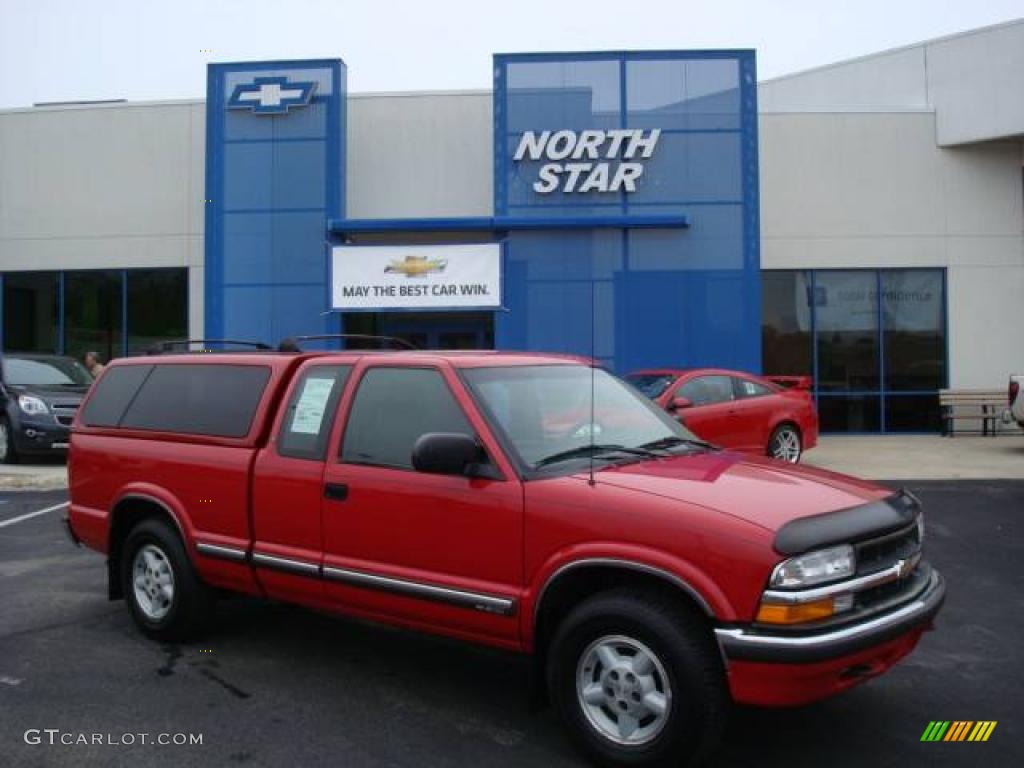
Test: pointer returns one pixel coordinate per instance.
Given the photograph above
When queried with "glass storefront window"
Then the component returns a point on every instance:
(786, 323)
(96, 304)
(912, 413)
(874, 339)
(912, 318)
(157, 307)
(92, 313)
(846, 325)
(31, 310)
(849, 413)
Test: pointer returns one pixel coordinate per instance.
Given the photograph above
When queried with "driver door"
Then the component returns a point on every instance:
(439, 552)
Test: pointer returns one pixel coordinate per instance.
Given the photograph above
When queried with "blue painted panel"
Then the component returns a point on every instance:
(275, 180)
(632, 297)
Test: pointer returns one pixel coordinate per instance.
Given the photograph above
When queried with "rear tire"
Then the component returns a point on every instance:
(638, 681)
(786, 444)
(165, 595)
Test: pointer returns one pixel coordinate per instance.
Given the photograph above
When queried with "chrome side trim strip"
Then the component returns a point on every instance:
(285, 564)
(897, 570)
(501, 606)
(221, 552)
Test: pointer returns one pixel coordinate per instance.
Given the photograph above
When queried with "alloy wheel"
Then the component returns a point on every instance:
(153, 582)
(623, 690)
(786, 445)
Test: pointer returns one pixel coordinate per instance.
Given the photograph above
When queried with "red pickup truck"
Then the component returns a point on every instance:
(526, 501)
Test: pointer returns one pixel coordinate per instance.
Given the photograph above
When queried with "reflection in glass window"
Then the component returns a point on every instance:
(786, 322)
(846, 318)
(912, 318)
(92, 314)
(157, 307)
(707, 390)
(30, 311)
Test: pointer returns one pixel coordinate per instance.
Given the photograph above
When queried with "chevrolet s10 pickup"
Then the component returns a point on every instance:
(525, 501)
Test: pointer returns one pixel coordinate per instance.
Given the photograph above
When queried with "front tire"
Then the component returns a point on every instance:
(8, 451)
(785, 444)
(638, 681)
(165, 596)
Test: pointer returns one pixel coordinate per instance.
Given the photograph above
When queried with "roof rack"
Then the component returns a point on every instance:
(163, 347)
(291, 344)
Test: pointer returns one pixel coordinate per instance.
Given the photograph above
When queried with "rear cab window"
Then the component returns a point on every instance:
(214, 400)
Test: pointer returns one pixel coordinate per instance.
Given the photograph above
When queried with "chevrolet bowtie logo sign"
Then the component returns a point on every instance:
(271, 95)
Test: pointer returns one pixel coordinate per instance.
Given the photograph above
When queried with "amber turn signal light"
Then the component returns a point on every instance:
(796, 613)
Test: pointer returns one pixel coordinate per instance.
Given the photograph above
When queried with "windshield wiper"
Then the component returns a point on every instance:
(593, 450)
(673, 440)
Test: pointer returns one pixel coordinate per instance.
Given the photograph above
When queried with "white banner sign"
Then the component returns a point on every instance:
(434, 277)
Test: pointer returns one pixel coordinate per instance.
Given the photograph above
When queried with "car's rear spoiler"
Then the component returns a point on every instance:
(792, 382)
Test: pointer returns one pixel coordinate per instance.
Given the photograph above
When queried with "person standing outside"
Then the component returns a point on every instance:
(93, 364)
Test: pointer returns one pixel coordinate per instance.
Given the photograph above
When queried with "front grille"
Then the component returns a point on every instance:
(64, 413)
(880, 553)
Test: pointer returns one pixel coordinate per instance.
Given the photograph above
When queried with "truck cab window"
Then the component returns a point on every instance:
(307, 422)
(393, 407)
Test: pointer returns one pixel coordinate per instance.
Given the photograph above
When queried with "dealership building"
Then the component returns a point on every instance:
(861, 223)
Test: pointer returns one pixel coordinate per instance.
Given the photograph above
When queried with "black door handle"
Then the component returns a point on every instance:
(336, 491)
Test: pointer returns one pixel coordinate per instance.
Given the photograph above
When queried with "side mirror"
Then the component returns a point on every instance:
(447, 453)
(678, 403)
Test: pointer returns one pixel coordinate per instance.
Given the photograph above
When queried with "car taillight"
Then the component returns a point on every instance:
(1014, 389)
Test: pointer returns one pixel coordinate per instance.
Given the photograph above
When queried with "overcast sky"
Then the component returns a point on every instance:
(60, 50)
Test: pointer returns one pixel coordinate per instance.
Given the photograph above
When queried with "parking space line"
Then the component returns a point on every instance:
(29, 515)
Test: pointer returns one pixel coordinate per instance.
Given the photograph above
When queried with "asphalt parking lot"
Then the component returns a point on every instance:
(275, 685)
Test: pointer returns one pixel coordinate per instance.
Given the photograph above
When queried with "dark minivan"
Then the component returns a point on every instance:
(39, 395)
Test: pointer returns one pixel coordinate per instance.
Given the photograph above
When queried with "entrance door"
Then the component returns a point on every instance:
(450, 330)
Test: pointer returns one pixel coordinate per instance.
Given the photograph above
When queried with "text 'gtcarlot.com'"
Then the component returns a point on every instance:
(54, 736)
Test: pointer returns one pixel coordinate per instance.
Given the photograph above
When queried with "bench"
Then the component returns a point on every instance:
(978, 405)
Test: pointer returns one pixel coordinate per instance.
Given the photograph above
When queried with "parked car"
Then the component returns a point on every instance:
(737, 410)
(39, 395)
(1015, 398)
(653, 578)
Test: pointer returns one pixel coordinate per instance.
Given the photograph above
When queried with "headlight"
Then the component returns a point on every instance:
(815, 567)
(33, 406)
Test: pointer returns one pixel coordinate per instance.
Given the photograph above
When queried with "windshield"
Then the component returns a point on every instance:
(545, 413)
(651, 384)
(45, 372)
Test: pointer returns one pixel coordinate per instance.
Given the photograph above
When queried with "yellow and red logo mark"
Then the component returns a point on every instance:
(958, 730)
(416, 266)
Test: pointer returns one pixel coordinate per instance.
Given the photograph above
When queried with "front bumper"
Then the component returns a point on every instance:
(749, 645)
(37, 437)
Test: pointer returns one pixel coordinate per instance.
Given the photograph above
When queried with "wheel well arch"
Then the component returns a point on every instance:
(126, 514)
(788, 421)
(578, 580)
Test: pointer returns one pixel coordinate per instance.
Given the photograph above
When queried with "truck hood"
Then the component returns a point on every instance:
(761, 491)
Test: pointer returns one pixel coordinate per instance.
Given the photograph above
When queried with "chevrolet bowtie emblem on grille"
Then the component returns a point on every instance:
(416, 266)
(271, 95)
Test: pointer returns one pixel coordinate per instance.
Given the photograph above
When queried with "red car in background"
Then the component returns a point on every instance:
(737, 410)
